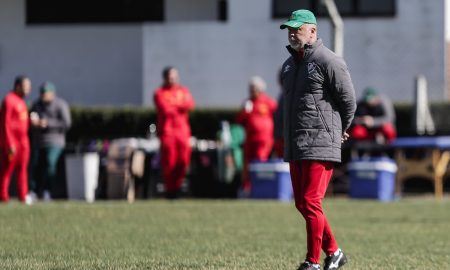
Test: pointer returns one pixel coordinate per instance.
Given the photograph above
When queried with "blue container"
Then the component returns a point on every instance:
(270, 180)
(373, 178)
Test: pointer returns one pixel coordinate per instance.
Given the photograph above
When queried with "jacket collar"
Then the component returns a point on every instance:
(309, 49)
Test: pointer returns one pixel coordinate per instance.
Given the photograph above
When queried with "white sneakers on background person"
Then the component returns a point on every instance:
(46, 197)
(31, 198)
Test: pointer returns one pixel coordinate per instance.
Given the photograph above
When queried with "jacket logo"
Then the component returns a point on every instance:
(312, 68)
(286, 68)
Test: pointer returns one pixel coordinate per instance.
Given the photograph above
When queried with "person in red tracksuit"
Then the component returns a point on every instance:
(14, 142)
(257, 118)
(173, 103)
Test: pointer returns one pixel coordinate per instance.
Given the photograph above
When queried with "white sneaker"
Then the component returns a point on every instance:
(33, 196)
(29, 200)
(46, 197)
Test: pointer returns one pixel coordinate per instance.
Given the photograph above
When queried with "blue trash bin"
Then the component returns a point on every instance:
(270, 180)
(373, 178)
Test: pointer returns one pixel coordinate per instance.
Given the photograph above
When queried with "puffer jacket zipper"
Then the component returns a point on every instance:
(323, 119)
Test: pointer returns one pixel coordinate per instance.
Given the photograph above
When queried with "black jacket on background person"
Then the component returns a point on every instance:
(57, 114)
(382, 113)
(319, 104)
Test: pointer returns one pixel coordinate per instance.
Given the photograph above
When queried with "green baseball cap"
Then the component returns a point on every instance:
(299, 18)
(47, 87)
(370, 93)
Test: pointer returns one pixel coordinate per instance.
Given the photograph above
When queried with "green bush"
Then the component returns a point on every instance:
(111, 122)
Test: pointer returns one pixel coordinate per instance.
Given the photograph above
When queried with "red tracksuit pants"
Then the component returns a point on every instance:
(360, 132)
(17, 163)
(175, 159)
(310, 181)
(254, 150)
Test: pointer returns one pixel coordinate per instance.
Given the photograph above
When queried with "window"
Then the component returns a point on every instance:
(347, 8)
(93, 11)
(123, 11)
(370, 7)
(284, 8)
(195, 10)
(223, 11)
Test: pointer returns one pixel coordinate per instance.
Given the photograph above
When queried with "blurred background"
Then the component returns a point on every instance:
(106, 58)
(112, 52)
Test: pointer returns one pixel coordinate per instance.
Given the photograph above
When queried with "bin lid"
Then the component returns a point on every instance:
(387, 166)
(269, 167)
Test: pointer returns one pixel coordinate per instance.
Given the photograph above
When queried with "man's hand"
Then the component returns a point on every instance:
(34, 119)
(345, 137)
(43, 123)
(368, 121)
(248, 106)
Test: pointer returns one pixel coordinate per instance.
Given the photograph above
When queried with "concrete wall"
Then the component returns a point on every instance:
(121, 64)
(90, 64)
(192, 10)
(216, 59)
(389, 53)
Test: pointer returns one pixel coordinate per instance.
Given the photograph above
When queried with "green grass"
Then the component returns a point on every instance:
(188, 234)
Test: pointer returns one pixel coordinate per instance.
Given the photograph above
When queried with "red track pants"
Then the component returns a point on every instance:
(175, 159)
(360, 132)
(19, 164)
(257, 150)
(310, 181)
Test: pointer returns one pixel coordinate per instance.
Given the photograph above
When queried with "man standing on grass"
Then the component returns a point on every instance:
(318, 110)
(173, 103)
(257, 118)
(14, 142)
(50, 120)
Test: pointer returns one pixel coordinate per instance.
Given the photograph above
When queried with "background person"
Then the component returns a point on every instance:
(257, 118)
(14, 141)
(50, 120)
(319, 108)
(374, 118)
(173, 103)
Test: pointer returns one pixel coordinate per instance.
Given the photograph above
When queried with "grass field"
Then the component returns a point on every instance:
(191, 234)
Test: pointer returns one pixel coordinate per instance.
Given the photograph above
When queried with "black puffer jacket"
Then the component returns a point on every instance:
(319, 104)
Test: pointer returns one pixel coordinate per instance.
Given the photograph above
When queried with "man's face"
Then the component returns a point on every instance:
(298, 37)
(374, 101)
(172, 77)
(24, 88)
(253, 91)
(48, 97)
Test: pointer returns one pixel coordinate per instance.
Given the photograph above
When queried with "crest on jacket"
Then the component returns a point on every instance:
(312, 68)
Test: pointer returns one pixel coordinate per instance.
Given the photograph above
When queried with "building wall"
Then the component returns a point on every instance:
(90, 64)
(121, 64)
(389, 53)
(216, 59)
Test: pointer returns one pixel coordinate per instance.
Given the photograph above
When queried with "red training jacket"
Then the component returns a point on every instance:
(14, 121)
(173, 105)
(257, 118)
